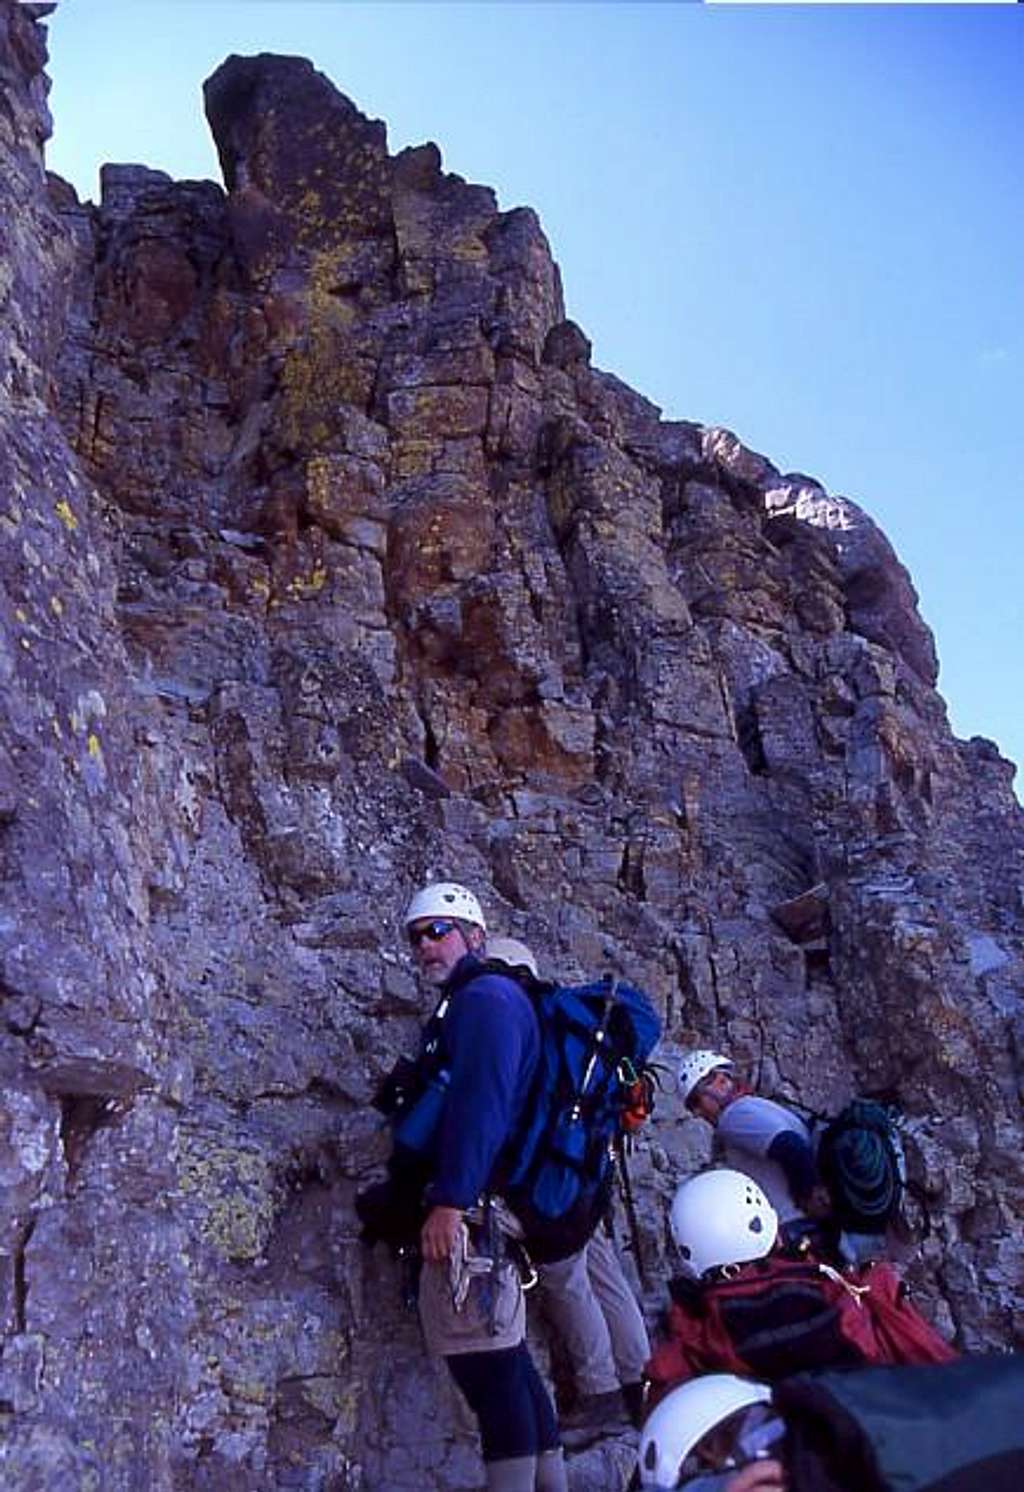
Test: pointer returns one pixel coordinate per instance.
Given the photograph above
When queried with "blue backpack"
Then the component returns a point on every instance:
(558, 1169)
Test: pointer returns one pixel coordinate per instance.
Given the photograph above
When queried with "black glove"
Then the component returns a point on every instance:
(392, 1211)
(387, 1215)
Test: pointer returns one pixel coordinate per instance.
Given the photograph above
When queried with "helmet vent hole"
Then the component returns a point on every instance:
(756, 1225)
(651, 1456)
(686, 1251)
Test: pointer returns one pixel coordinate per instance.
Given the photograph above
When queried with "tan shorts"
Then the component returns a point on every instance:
(449, 1331)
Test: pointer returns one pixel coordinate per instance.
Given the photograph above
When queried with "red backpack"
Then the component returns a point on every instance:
(778, 1316)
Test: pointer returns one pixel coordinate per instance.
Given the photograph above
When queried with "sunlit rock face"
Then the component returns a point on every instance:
(329, 562)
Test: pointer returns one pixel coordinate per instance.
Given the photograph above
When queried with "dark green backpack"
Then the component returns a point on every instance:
(861, 1162)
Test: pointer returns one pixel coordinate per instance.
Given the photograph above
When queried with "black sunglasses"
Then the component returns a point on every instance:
(435, 931)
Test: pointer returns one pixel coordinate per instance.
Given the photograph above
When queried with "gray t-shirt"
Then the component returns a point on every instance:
(742, 1137)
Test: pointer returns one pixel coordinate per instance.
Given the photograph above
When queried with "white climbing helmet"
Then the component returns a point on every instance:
(695, 1066)
(721, 1217)
(445, 899)
(684, 1417)
(514, 953)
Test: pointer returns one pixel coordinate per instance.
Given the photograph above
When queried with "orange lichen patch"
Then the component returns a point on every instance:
(92, 745)
(316, 379)
(66, 516)
(331, 270)
(320, 374)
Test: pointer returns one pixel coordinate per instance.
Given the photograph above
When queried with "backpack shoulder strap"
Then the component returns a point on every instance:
(433, 1027)
(814, 1117)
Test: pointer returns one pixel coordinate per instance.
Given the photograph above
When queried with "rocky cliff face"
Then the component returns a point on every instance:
(330, 562)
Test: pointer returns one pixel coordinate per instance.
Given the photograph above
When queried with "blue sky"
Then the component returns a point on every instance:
(801, 222)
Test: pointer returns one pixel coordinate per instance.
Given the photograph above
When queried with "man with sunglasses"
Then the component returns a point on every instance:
(481, 1047)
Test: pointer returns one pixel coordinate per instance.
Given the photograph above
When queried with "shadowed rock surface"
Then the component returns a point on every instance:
(329, 562)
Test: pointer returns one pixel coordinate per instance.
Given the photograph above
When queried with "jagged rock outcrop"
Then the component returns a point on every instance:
(330, 561)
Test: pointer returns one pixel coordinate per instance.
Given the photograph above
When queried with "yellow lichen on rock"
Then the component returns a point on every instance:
(236, 1192)
(66, 516)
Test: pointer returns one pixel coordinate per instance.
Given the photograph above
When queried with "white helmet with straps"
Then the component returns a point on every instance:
(514, 953)
(721, 1217)
(445, 899)
(695, 1066)
(684, 1417)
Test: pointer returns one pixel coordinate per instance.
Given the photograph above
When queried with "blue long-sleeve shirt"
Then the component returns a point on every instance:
(491, 1040)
